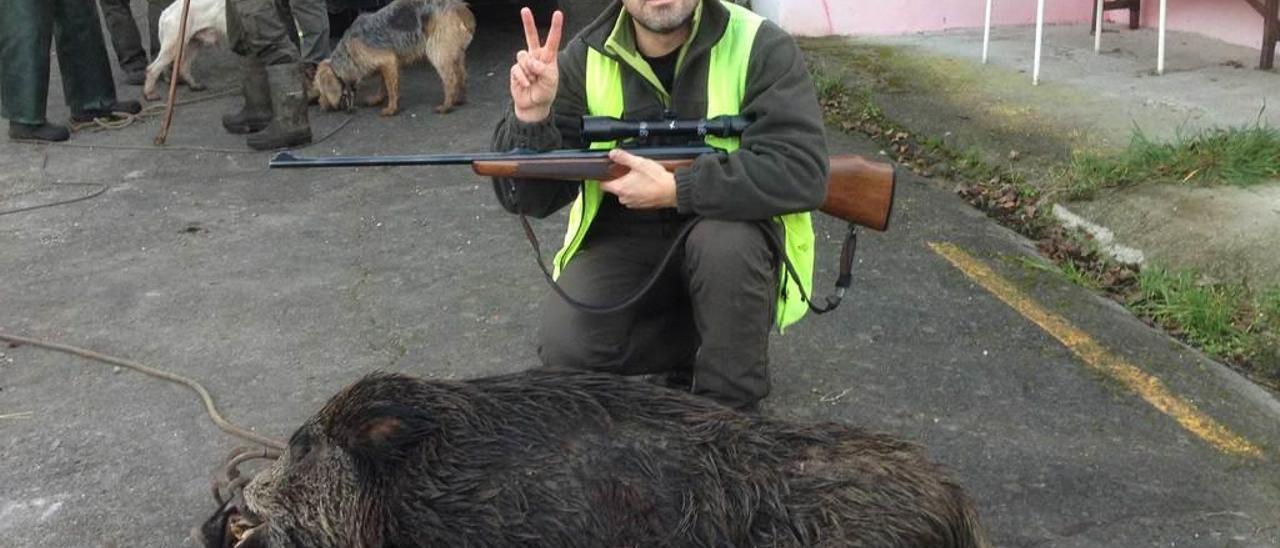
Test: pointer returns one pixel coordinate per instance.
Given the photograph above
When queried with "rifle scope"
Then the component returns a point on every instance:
(606, 128)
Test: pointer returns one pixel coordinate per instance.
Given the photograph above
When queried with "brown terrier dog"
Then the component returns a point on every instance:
(401, 33)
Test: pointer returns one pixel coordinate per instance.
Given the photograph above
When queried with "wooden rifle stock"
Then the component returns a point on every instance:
(859, 191)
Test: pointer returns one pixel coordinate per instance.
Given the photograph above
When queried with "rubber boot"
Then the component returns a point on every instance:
(255, 115)
(289, 126)
(41, 132)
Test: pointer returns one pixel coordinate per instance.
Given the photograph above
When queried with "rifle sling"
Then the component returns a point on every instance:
(624, 303)
(842, 283)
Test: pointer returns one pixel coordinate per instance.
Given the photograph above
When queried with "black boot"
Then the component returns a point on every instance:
(289, 125)
(42, 132)
(128, 106)
(256, 113)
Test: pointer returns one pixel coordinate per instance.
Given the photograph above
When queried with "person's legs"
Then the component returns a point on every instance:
(313, 21)
(257, 31)
(26, 31)
(339, 22)
(82, 58)
(731, 272)
(652, 336)
(154, 9)
(125, 39)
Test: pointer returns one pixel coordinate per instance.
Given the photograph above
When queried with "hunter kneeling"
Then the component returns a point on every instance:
(704, 325)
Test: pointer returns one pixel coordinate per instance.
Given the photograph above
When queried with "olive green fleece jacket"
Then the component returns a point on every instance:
(780, 168)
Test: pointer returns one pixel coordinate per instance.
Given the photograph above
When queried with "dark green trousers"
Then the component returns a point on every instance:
(154, 9)
(27, 27)
(262, 30)
(312, 17)
(711, 311)
(125, 38)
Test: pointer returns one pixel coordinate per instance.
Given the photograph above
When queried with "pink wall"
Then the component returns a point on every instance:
(1231, 21)
(821, 17)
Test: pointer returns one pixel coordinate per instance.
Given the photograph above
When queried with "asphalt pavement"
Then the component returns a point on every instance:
(276, 288)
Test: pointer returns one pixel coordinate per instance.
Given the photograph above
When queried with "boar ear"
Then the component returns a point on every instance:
(385, 428)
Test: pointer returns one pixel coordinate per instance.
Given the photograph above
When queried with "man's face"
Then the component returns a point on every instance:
(661, 16)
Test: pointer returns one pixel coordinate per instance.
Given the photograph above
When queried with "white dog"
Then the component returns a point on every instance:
(206, 25)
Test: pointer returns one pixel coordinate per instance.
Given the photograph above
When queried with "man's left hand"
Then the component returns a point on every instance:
(647, 186)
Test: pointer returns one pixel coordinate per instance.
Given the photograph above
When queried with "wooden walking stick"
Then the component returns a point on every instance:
(173, 77)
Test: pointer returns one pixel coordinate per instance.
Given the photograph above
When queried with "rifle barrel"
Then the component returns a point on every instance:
(288, 159)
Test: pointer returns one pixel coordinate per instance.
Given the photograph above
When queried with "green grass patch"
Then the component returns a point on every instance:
(1206, 314)
(1236, 156)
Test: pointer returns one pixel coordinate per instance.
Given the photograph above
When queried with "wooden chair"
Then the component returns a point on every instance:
(1134, 7)
(1270, 30)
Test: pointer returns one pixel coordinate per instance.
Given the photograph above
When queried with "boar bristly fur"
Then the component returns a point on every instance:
(575, 459)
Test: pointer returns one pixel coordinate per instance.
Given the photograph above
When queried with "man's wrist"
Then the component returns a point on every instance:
(684, 190)
(534, 115)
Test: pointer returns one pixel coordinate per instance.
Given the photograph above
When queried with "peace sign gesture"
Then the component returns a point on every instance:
(536, 74)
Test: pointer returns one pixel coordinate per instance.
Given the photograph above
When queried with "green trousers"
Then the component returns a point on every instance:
(125, 38)
(154, 9)
(312, 17)
(709, 314)
(27, 28)
(262, 30)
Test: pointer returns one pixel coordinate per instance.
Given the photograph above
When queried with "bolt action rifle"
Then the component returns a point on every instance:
(859, 191)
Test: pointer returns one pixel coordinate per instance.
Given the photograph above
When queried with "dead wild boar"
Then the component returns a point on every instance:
(577, 459)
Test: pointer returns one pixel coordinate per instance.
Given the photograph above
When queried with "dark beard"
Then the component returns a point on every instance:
(667, 30)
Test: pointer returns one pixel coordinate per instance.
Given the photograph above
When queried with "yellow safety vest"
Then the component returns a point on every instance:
(726, 86)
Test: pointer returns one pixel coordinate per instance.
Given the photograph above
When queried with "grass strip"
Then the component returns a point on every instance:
(1239, 156)
(1226, 321)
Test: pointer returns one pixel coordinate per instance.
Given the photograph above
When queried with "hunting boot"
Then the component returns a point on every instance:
(289, 126)
(38, 132)
(256, 112)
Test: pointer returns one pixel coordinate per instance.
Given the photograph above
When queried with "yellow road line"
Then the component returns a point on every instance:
(1097, 357)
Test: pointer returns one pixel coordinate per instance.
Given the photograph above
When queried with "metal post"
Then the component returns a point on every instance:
(1164, 12)
(1097, 28)
(1035, 72)
(986, 32)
